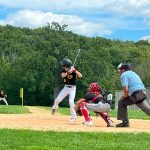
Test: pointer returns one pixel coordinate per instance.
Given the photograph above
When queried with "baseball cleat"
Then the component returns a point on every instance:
(110, 123)
(123, 124)
(90, 123)
(73, 120)
(53, 111)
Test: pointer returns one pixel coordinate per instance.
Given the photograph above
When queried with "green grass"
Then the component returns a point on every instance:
(16, 109)
(13, 109)
(51, 140)
(13, 139)
(133, 114)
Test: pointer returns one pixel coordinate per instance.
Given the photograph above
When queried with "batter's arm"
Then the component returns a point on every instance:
(63, 74)
(77, 72)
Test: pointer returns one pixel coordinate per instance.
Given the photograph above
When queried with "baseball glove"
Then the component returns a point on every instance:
(79, 113)
(77, 107)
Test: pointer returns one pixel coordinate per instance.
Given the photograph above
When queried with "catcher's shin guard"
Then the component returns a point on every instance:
(85, 112)
(107, 119)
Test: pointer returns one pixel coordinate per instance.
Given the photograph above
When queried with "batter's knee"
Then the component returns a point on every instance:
(56, 103)
(71, 104)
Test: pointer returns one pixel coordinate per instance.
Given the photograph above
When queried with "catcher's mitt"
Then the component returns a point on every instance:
(79, 113)
(77, 107)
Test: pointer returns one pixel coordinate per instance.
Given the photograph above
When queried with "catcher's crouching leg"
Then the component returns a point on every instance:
(85, 113)
(107, 119)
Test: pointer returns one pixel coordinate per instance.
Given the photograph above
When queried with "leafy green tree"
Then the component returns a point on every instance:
(30, 58)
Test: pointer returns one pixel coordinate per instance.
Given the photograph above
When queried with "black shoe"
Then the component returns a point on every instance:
(123, 124)
(53, 111)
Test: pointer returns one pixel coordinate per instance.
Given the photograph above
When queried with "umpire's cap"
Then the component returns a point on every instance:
(124, 66)
(66, 62)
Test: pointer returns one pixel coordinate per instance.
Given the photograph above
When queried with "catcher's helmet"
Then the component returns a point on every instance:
(66, 63)
(94, 88)
(124, 66)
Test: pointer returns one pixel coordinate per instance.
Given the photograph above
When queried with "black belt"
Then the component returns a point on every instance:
(70, 86)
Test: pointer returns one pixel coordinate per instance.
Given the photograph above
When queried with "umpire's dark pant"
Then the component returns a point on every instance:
(137, 98)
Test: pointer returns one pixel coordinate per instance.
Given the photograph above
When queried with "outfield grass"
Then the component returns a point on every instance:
(13, 139)
(133, 114)
(16, 109)
(13, 109)
(50, 140)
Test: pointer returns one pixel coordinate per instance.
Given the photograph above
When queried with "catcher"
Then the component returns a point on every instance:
(94, 101)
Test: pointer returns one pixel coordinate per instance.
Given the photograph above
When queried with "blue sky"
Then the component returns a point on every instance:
(114, 19)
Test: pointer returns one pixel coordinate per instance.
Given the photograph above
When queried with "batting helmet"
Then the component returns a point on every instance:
(94, 88)
(124, 66)
(66, 63)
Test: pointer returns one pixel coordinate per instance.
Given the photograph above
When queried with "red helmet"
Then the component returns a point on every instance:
(94, 88)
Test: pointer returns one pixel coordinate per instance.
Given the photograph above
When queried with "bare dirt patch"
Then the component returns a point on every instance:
(41, 119)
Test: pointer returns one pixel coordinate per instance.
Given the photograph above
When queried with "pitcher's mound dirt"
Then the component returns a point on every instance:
(41, 119)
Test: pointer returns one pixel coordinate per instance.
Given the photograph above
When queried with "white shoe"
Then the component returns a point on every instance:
(111, 124)
(73, 119)
(90, 124)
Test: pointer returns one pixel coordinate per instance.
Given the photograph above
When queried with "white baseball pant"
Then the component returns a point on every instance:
(71, 91)
(4, 100)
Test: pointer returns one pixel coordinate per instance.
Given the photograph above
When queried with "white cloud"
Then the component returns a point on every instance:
(124, 7)
(33, 19)
(146, 38)
(119, 9)
(135, 8)
(100, 15)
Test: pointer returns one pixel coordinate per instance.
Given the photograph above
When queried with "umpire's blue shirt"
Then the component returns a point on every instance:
(131, 80)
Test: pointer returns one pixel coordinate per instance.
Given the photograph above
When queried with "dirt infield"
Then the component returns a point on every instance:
(41, 119)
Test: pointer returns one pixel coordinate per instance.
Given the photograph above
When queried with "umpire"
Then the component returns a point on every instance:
(133, 93)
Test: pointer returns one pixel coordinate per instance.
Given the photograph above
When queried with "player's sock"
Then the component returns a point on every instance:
(106, 117)
(85, 112)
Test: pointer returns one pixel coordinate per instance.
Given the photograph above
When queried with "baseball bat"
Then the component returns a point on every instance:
(76, 56)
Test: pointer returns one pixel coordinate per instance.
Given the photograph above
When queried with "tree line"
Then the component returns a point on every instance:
(30, 58)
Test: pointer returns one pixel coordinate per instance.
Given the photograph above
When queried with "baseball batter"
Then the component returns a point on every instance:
(94, 101)
(68, 74)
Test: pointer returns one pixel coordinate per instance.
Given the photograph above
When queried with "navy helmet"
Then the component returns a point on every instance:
(66, 63)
